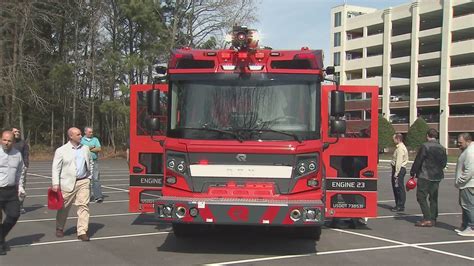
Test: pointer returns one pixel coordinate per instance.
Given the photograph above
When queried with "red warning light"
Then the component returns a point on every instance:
(241, 36)
(259, 55)
(225, 55)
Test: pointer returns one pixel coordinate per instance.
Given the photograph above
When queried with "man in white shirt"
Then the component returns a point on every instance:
(11, 184)
(399, 164)
(72, 170)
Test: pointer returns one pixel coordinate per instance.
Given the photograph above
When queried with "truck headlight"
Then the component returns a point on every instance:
(301, 168)
(306, 164)
(181, 167)
(171, 164)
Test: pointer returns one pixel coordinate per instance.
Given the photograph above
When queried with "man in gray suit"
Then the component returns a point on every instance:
(465, 184)
(72, 169)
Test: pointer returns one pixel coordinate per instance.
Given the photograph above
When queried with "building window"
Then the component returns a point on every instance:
(337, 39)
(337, 19)
(337, 59)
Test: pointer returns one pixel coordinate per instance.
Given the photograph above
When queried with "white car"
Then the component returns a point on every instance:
(394, 98)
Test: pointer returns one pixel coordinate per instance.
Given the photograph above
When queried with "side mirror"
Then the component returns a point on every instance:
(153, 124)
(338, 103)
(153, 102)
(330, 70)
(338, 127)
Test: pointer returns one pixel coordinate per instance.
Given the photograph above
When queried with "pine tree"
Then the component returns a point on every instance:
(417, 134)
(386, 132)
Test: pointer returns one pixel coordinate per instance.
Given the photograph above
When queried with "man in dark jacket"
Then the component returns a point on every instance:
(428, 167)
(24, 149)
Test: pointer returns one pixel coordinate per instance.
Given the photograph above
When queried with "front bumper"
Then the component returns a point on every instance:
(240, 211)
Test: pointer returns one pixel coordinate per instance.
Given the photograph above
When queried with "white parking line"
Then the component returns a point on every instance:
(109, 187)
(92, 239)
(114, 188)
(303, 255)
(44, 176)
(381, 201)
(445, 242)
(410, 215)
(402, 243)
(398, 244)
(121, 184)
(260, 259)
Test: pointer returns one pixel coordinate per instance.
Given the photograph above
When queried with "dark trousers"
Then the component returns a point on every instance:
(10, 205)
(398, 187)
(428, 190)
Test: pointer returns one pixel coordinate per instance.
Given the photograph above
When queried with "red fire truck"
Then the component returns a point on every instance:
(249, 136)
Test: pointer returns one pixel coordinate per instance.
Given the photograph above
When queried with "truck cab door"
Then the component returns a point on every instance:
(351, 162)
(145, 149)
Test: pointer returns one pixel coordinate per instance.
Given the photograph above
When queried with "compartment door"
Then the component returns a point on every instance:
(351, 162)
(146, 152)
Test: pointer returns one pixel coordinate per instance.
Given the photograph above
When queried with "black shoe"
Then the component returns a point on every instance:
(99, 200)
(397, 209)
(6, 247)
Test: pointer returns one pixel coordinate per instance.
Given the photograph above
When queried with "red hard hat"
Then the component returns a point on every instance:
(411, 184)
(55, 199)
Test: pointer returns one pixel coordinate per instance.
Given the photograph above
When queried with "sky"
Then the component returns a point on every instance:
(292, 24)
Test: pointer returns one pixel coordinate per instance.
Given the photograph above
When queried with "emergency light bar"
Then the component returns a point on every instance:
(244, 38)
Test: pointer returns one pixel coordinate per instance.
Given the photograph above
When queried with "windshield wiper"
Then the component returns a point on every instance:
(277, 131)
(205, 127)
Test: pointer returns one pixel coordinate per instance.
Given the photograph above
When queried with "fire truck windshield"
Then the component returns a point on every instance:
(264, 109)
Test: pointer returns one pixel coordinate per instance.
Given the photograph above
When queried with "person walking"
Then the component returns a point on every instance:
(428, 167)
(24, 149)
(94, 145)
(11, 184)
(399, 163)
(71, 174)
(465, 183)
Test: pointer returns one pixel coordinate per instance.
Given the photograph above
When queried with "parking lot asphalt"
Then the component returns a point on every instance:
(122, 238)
